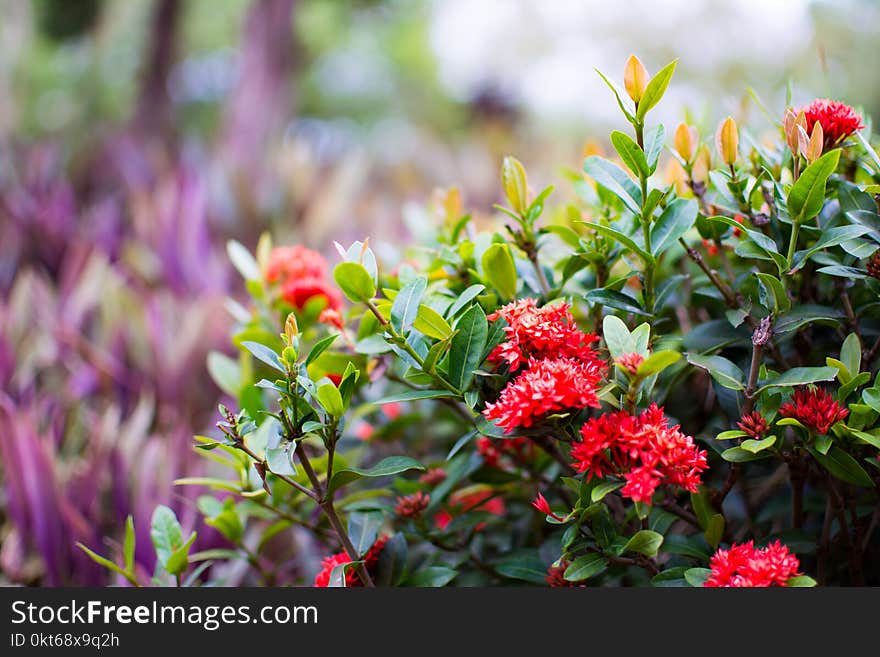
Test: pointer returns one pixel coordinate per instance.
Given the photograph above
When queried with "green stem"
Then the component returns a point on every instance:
(792, 243)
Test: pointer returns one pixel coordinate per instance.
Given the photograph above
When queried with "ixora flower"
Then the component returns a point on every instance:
(467, 500)
(642, 449)
(630, 362)
(495, 451)
(556, 577)
(754, 425)
(547, 386)
(542, 505)
(411, 506)
(838, 120)
(546, 332)
(814, 408)
(371, 559)
(745, 565)
(301, 274)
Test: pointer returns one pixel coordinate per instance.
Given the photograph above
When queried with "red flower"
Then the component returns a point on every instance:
(744, 565)
(411, 506)
(541, 504)
(301, 275)
(464, 501)
(838, 120)
(331, 317)
(548, 386)
(737, 232)
(392, 411)
(547, 332)
(494, 451)
(814, 408)
(643, 449)
(711, 247)
(371, 558)
(556, 577)
(433, 476)
(753, 424)
(630, 362)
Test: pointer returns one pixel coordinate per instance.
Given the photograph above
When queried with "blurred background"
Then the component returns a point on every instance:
(137, 137)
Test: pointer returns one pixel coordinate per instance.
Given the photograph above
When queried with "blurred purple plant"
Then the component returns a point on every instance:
(111, 296)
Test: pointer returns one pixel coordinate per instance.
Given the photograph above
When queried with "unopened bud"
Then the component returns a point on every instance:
(814, 146)
(727, 141)
(790, 124)
(635, 78)
(686, 141)
(291, 329)
(513, 179)
(702, 164)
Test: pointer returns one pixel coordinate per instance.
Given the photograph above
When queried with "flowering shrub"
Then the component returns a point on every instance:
(678, 374)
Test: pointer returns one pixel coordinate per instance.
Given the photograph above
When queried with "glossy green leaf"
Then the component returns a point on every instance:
(388, 466)
(655, 89)
(354, 281)
(616, 336)
(657, 362)
(677, 219)
(166, 533)
(799, 376)
(614, 299)
(263, 353)
(773, 294)
(500, 270)
(722, 370)
(405, 306)
(645, 542)
(585, 567)
(615, 180)
(843, 466)
(631, 153)
(466, 349)
(431, 323)
(807, 195)
(432, 576)
(330, 399)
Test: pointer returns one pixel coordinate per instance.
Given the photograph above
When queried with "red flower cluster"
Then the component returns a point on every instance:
(433, 477)
(838, 120)
(301, 275)
(494, 451)
(556, 577)
(814, 408)
(465, 501)
(532, 332)
(753, 424)
(411, 506)
(745, 565)
(548, 386)
(630, 362)
(371, 559)
(642, 449)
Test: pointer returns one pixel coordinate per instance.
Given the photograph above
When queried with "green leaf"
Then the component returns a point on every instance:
(243, 261)
(616, 336)
(801, 581)
(799, 376)
(807, 195)
(227, 523)
(645, 542)
(615, 180)
(585, 567)
(166, 534)
(564, 233)
(320, 347)
(740, 455)
(657, 362)
(830, 237)
(671, 577)
(391, 566)
(616, 235)
(263, 353)
(102, 561)
(715, 530)
(631, 153)
(464, 299)
(697, 576)
(755, 446)
(655, 90)
(677, 219)
(388, 466)
(764, 244)
(773, 295)
(851, 353)
(599, 491)
(843, 466)
(405, 306)
(363, 528)
(623, 108)
(279, 460)
(431, 323)
(526, 566)
(654, 145)
(129, 544)
(432, 576)
(722, 370)
(500, 270)
(330, 398)
(614, 299)
(413, 395)
(354, 281)
(225, 372)
(466, 349)
(730, 435)
(179, 559)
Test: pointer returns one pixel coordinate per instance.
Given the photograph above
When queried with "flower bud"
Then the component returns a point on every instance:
(513, 179)
(789, 127)
(702, 164)
(814, 146)
(635, 78)
(686, 141)
(727, 141)
(291, 329)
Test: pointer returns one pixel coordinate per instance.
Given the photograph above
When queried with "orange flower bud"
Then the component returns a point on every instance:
(814, 146)
(702, 164)
(635, 78)
(727, 141)
(686, 141)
